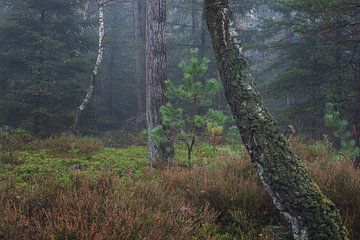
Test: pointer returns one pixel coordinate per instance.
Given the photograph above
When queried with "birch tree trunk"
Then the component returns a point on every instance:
(310, 214)
(155, 77)
(99, 60)
(139, 12)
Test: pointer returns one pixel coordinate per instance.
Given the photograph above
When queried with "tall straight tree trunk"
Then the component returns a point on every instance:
(202, 48)
(156, 76)
(310, 214)
(99, 60)
(139, 13)
(194, 21)
(356, 116)
(110, 78)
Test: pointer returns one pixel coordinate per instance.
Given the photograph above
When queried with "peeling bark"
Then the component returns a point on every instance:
(310, 214)
(99, 60)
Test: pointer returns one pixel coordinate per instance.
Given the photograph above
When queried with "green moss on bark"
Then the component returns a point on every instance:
(310, 214)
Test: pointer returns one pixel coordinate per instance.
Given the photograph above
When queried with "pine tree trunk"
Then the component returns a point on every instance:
(202, 48)
(194, 21)
(99, 60)
(155, 77)
(356, 116)
(139, 12)
(310, 214)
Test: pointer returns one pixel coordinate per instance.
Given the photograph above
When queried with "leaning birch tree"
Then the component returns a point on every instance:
(98, 63)
(155, 78)
(310, 214)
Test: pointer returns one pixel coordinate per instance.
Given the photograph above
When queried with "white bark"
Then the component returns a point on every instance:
(99, 60)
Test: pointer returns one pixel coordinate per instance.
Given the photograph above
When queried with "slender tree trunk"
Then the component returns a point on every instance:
(109, 90)
(202, 48)
(194, 20)
(99, 60)
(139, 12)
(356, 116)
(156, 76)
(310, 214)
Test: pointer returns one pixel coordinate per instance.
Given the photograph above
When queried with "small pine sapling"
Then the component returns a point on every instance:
(340, 128)
(183, 119)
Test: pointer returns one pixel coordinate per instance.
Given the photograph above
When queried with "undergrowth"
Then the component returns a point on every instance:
(50, 191)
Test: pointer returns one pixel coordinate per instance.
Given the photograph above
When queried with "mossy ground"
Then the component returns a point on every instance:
(218, 197)
(40, 163)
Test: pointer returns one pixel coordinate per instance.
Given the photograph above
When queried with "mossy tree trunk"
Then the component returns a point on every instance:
(310, 214)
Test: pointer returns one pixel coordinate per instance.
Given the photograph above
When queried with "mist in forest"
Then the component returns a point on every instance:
(179, 119)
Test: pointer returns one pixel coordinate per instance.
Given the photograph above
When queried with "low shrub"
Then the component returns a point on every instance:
(122, 138)
(312, 151)
(107, 208)
(220, 200)
(341, 182)
(70, 145)
(16, 140)
(231, 187)
(10, 158)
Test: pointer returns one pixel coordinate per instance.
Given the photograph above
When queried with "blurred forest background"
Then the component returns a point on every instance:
(303, 55)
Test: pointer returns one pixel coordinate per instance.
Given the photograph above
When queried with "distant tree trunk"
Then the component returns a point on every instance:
(202, 48)
(139, 12)
(310, 214)
(109, 100)
(155, 77)
(356, 115)
(99, 59)
(194, 20)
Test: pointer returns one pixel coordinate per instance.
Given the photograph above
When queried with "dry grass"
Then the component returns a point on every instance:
(174, 203)
(341, 183)
(63, 145)
(338, 180)
(68, 144)
(10, 158)
(107, 208)
(224, 187)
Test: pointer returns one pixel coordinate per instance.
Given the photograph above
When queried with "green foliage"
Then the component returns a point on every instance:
(340, 128)
(42, 59)
(184, 117)
(19, 139)
(31, 165)
(233, 135)
(113, 183)
(307, 60)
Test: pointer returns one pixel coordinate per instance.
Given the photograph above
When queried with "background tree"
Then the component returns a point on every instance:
(42, 58)
(139, 8)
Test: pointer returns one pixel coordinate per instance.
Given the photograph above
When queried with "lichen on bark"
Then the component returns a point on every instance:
(310, 214)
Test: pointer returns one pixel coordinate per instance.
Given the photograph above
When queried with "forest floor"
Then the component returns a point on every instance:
(80, 188)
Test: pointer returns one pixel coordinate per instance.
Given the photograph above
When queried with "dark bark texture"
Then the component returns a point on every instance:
(310, 214)
(156, 76)
(139, 9)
